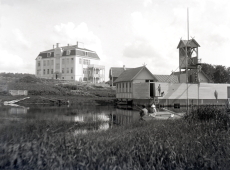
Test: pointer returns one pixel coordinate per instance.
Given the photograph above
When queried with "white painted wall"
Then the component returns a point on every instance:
(179, 91)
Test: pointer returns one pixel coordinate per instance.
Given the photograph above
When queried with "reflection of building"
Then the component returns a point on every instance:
(70, 63)
(18, 110)
(123, 117)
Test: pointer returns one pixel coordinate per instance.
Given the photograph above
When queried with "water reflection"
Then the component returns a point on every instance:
(18, 110)
(98, 117)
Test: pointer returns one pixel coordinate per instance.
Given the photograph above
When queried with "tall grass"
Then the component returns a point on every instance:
(171, 144)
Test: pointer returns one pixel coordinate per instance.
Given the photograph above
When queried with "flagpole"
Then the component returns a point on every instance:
(187, 103)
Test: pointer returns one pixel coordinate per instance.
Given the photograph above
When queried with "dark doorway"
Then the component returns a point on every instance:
(228, 92)
(151, 89)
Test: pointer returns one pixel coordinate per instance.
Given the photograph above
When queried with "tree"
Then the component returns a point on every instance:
(220, 74)
(209, 70)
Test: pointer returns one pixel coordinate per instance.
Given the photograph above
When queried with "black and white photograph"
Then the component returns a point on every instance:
(114, 84)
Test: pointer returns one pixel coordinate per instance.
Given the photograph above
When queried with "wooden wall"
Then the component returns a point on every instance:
(141, 91)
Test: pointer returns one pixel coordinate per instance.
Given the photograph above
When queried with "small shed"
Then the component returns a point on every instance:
(18, 92)
(135, 83)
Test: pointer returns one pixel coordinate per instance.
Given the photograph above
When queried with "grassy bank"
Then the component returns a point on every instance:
(171, 144)
(75, 92)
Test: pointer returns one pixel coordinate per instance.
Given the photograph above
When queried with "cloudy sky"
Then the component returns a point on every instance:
(122, 32)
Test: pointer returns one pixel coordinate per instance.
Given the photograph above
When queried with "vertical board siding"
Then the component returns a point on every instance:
(141, 91)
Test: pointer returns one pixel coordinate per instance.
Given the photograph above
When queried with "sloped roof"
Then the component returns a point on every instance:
(188, 43)
(167, 78)
(130, 74)
(191, 71)
(75, 50)
(116, 71)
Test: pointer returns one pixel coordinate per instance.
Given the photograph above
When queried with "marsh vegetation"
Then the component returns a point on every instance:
(194, 142)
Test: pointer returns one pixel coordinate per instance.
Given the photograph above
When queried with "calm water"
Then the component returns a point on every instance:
(106, 116)
(88, 114)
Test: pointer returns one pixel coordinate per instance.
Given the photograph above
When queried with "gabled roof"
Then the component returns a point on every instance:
(116, 71)
(191, 71)
(189, 43)
(130, 74)
(167, 78)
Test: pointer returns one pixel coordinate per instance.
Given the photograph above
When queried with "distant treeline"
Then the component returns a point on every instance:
(217, 73)
(15, 75)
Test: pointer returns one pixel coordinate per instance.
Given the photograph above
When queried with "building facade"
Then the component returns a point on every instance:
(70, 63)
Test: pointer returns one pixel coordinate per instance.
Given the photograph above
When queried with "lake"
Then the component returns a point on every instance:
(104, 117)
(75, 113)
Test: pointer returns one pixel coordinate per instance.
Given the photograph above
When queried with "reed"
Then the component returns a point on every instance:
(157, 144)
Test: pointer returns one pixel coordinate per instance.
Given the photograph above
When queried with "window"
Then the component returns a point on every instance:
(67, 70)
(52, 71)
(68, 52)
(63, 70)
(48, 71)
(63, 61)
(48, 62)
(84, 71)
(86, 53)
(71, 59)
(71, 77)
(44, 63)
(39, 63)
(79, 60)
(71, 70)
(67, 61)
(52, 62)
(48, 54)
(62, 77)
(44, 71)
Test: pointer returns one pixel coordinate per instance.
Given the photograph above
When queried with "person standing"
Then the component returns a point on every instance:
(159, 89)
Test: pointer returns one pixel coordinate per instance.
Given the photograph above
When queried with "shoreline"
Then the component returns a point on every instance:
(72, 99)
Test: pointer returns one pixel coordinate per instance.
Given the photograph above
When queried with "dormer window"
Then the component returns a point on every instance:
(48, 54)
(68, 52)
(86, 53)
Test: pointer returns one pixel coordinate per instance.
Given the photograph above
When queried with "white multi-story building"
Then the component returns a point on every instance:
(70, 63)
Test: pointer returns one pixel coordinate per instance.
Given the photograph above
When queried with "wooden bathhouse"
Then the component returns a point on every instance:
(188, 86)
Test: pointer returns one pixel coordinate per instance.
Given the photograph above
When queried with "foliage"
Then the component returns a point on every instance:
(29, 79)
(16, 75)
(217, 73)
(143, 145)
(216, 115)
(209, 70)
(221, 75)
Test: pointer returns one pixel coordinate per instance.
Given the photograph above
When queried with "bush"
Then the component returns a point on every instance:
(210, 114)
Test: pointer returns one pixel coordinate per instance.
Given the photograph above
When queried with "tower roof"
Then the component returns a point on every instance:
(189, 43)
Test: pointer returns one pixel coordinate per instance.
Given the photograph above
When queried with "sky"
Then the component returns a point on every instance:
(122, 32)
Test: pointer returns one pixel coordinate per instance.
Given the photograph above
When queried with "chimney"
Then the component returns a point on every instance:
(77, 44)
(124, 67)
(57, 45)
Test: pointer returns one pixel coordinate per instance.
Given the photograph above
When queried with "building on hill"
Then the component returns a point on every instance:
(70, 63)
(114, 73)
